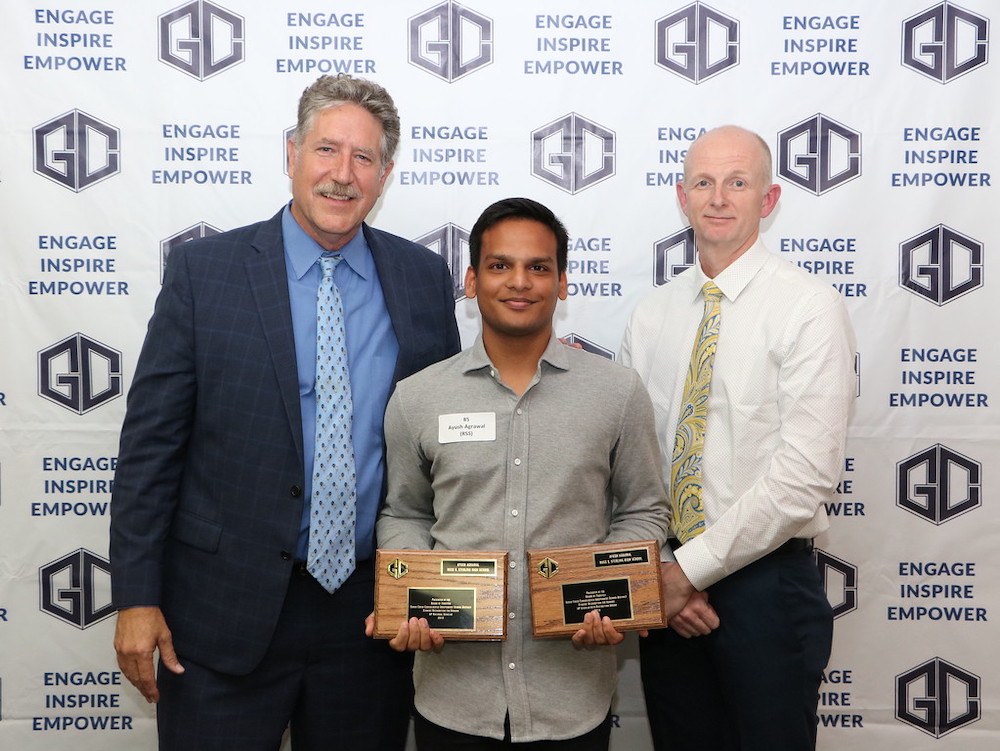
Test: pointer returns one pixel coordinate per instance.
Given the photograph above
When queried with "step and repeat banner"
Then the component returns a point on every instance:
(128, 128)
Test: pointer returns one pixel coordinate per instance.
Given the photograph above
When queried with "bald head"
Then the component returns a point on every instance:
(734, 137)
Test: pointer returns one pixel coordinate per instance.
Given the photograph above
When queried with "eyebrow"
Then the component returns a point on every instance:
(333, 142)
(507, 259)
(738, 173)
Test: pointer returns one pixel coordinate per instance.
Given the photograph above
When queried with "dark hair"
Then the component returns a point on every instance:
(518, 208)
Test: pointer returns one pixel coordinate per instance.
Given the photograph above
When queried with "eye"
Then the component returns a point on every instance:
(739, 183)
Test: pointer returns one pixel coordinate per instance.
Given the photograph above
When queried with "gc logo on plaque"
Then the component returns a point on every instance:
(621, 580)
(461, 593)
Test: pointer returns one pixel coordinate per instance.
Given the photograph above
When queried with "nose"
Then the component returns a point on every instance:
(340, 168)
(519, 278)
(718, 197)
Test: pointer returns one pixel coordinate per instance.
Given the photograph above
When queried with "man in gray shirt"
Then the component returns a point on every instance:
(567, 455)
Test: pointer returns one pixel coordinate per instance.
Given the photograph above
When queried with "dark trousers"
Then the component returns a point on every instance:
(431, 737)
(337, 688)
(753, 683)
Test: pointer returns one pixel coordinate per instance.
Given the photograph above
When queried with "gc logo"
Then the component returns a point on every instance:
(819, 154)
(588, 345)
(945, 42)
(201, 39)
(77, 588)
(194, 232)
(397, 568)
(940, 264)
(76, 150)
(697, 42)
(938, 484)
(548, 568)
(840, 581)
(451, 242)
(672, 255)
(79, 373)
(450, 41)
(938, 697)
(573, 153)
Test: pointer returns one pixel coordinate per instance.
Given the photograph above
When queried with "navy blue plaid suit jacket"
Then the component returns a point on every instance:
(208, 491)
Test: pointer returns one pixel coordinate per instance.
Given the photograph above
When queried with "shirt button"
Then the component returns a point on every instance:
(513, 512)
(511, 616)
(511, 665)
(517, 462)
(513, 564)
(519, 411)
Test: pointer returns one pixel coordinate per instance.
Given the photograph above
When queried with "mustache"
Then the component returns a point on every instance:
(333, 189)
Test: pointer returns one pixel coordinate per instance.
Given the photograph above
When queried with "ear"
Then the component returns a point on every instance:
(770, 200)
(470, 282)
(290, 150)
(563, 288)
(385, 176)
(682, 197)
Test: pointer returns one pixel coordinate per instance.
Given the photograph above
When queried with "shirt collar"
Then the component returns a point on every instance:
(303, 252)
(555, 354)
(737, 275)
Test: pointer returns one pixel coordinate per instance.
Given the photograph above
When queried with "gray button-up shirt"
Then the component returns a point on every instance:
(575, 461)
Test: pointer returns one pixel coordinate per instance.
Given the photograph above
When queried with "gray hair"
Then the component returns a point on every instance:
(334, 91)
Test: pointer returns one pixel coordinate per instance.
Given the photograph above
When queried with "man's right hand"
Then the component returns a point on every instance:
(138, 634)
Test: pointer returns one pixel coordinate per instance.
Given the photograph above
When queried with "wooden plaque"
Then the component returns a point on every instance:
(461, 593)
(621, 580)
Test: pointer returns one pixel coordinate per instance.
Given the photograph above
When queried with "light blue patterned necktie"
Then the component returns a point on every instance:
(332, 516)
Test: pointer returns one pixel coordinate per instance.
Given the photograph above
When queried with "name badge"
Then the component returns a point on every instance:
(469, 426)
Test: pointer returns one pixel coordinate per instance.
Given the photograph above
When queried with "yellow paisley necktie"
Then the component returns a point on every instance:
(689, 441)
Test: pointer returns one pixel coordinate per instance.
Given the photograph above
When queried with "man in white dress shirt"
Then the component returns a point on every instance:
(744, 583)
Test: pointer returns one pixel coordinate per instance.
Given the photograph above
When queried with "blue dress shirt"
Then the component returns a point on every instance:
(371, 351)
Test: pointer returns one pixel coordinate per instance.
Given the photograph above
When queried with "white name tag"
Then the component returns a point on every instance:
(471, 426)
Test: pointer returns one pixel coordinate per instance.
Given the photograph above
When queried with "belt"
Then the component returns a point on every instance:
(795, 545)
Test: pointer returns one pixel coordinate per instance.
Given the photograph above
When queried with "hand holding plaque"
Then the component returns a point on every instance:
(461, 593)
(621, 580)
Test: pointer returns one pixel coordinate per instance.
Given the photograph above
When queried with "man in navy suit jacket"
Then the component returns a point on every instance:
(210, 513)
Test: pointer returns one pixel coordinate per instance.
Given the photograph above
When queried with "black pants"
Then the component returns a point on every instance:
(753, 683)
(431, 737)
(337, 688)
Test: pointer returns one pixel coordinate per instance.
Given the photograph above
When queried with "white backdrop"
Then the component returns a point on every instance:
(129, 126)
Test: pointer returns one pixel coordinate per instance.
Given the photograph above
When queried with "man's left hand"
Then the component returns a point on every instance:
(698, 618)
(597, 632)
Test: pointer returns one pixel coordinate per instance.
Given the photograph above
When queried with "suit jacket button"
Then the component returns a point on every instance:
(296, 491)
(285, 555)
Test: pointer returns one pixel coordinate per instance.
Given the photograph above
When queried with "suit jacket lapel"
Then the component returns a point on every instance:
(392, 277)
(269, 284)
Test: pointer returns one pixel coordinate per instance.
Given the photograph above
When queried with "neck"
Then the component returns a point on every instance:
(714, 260)
(516, 357)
